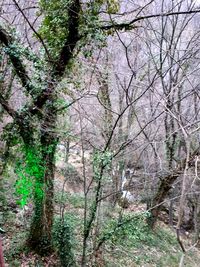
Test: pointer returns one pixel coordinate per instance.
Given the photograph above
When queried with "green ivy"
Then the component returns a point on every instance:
(54, 28)
(101, 160)
(30, 172)
(63, 235)
(37, 63)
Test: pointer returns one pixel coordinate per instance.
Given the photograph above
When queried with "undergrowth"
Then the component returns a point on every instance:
(132, 243)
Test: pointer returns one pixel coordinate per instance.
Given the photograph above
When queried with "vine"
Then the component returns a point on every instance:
(30, 172)
(54, 28)
(101, 160)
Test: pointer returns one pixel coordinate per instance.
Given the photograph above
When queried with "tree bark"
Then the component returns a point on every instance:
(164, 187)
(2, 264)
(160, 196)
(40, 238)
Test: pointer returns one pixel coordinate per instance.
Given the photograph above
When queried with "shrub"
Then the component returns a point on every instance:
(64, 240)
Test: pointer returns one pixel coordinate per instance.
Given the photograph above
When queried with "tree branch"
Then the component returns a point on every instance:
(65, 56)
(17, 63)
(73, 37)
(7, 108)
(33, 29)
(129, 25)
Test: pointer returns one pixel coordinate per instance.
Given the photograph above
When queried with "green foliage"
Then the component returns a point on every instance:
(30, 173)
(17, 50)
(60, 102)
(131, 229)
(134, 241)
(112, 6)
(101, 163)
(54, 29)
(11, 134)
(101, 160)
(90, 28)
(64, 240)
(75, 199)
(38, 65)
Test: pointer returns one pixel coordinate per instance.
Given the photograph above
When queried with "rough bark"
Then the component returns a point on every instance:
(2, 264)
(40, 237)
(164, 188)
(160, 196)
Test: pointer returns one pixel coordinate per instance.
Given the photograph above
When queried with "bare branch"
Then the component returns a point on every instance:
(129, 25)
(33, 29)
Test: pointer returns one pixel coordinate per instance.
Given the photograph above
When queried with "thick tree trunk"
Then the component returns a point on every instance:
(40, 238)
(40, 233)
(165, 186)
(160, 196)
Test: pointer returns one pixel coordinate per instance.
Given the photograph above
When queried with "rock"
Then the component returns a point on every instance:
(126, 199)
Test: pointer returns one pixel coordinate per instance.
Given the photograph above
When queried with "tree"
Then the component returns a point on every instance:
(40, 150)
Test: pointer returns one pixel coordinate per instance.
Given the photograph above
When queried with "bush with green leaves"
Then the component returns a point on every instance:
(64, 239)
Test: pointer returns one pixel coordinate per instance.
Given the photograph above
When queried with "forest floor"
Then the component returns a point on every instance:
(133, 245)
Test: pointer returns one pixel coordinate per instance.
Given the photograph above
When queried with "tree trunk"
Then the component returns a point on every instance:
(40, 238)
(160, 196)
(41, 226)
(2, 264)
(197, 222)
